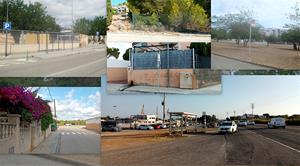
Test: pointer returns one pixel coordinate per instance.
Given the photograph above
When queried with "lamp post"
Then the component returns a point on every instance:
(72, 24)
(6, 31)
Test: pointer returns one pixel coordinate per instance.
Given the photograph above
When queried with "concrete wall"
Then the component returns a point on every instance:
(93, 124)
(117, 74)
(150, 77)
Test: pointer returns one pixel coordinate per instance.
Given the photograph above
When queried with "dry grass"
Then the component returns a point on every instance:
(275, 56)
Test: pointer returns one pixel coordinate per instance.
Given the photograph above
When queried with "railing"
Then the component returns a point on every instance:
(7, 130)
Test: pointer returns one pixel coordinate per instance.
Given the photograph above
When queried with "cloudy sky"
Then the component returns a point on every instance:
(74, 103)
(62, 9)
(269, 13)
(270, 94)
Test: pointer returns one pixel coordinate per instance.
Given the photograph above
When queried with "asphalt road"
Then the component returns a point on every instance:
(220, 62)
(77, 140)
(254, 146)
(91, 63)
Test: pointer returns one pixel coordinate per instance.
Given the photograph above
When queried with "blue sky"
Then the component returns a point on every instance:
(116, 2)
(269, 13)
(270, 94)
(74, 103)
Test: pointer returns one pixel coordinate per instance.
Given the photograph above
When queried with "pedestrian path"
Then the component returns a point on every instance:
(78, 133)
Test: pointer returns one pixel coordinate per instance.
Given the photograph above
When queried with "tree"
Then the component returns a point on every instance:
(271, 39)
(109, 12)
(219, 34)
(90, 27)
(98, 25)
(113, 52)
(126, 54)
(82, 26)
(32, 16)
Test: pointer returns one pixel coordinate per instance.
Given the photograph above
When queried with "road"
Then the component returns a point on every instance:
(87, 63)
(221, 62)
(253, 146)
(77, 140)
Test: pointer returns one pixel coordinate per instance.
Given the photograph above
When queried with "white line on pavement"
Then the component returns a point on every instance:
(296, 150)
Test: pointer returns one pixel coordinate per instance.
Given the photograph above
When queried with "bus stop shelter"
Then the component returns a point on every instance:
(182, 122)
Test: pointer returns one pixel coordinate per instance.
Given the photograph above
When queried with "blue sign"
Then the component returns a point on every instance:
(7, 25)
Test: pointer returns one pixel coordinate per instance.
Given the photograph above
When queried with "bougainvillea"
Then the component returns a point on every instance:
(16, 100)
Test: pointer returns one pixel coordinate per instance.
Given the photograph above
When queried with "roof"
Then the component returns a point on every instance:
(184, 113)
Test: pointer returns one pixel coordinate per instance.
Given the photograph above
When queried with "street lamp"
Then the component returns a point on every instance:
(6, 32)
(72, 24)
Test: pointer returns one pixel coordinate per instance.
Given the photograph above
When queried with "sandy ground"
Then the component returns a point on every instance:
(274, 56)
(132, 138)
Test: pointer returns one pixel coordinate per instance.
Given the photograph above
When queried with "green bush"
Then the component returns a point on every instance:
(294, 122)
(46, 120)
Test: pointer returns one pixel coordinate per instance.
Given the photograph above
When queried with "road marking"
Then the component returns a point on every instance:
(296, 150)
(74, 68)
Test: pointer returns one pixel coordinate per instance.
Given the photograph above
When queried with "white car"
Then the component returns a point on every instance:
(145, 127)
(276, 123)
(251, 123)
(243, 123)
(228, 127)
(68, 124)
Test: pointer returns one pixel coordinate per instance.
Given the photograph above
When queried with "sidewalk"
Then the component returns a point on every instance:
(125, 89)
(50, 146)
(51, 54)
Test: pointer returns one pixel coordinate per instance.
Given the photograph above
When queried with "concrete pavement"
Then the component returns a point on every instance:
(87, 62)
(254, 145)
(125, 89)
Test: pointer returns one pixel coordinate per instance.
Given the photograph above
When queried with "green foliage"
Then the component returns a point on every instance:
(292, 36)
(113, 52)
(73, 122)
(26, 116)
(126, 54)
(219, 34)
(46, 121)
(271, 39)
(201, 49)
(32, 16)
(110, 12)
(90, 27)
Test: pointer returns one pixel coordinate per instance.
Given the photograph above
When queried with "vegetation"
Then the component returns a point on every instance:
(46, 121)
(91, 27)
(113, 52)
(126, 54)
(179, 15)
(32, 16)
(73, 122)
(201, 49)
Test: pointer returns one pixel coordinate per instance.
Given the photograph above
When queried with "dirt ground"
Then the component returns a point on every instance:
(274, 56)
(132, 138)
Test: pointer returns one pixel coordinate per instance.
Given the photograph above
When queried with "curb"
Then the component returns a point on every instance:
(62, 160)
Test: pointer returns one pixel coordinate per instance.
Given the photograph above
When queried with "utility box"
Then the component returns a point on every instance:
(186, 80)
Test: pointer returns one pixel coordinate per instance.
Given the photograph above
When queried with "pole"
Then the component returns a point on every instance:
(54, 108)
(168, 55)
(72, 24)
(6, 32)
(250, 41)
(164, 108)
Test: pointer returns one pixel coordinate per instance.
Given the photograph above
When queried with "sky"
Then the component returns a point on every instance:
(269, 13)
(62, 9)
(122, 46)
(270, 94)
(74, 103)
(117, 2)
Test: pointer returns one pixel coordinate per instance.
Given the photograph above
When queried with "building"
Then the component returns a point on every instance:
(121, 9)
(144, 119)
(273, 32)
(93, 123)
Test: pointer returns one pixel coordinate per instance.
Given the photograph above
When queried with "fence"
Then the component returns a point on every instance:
(7, 130)
(21, 41)
(170, 59)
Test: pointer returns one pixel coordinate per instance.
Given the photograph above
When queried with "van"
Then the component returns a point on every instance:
(276, 123)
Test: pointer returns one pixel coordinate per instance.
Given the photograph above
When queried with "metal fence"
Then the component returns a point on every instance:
(22, 41)
(169, 59)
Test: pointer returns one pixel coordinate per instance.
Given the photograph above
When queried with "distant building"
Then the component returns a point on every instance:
(144, 119)
(273, 32)
(121, 9)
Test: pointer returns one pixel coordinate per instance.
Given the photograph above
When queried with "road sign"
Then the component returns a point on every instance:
(7, 25)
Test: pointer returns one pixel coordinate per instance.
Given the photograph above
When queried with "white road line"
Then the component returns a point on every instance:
(62, 133)
(296, 150)
(73, 133)
(67, 133)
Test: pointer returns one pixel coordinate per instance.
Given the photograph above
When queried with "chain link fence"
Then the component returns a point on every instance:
(21, 41)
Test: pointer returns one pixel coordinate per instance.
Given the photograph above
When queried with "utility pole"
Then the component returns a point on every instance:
(164, 108)
(54, 106)
(158, 70)
(72, 24)
(252, 107)
(6, 32)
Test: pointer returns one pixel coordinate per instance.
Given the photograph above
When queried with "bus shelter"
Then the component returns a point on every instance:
(182, 122)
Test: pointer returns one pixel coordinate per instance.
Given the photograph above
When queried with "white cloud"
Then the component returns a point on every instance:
(62, 9)
(70, 94)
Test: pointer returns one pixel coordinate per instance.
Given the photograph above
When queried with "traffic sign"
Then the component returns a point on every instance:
(7, 25)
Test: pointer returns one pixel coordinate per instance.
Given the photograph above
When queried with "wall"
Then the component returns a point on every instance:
(150, 77)
(93, 124)
(117, 74)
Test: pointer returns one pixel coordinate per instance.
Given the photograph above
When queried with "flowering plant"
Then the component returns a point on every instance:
(19, 100)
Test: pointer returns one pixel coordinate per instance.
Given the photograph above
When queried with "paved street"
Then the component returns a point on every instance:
(220, 62)
(253, 146)
(88, 62)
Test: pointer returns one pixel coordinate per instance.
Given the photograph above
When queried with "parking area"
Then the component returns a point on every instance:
(252, 145)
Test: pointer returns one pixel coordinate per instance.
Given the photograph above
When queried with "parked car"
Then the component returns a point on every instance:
(54, 127)
(228, 127)
(251, 123)
(111, 126)
(163, 126)
(156, 126)
(145, 127)
(276, 123)
(68, 124)
(243, 123)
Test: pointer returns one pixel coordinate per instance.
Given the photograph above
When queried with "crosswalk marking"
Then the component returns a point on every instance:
(78, 133)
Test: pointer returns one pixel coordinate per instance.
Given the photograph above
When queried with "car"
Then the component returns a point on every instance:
(227, 127)
(243, 123)
(156, 126)
(163, 126)
(68, 124)
(112, 128)
(145, 127)
(251, 123)
(54, 127)
(277, 123)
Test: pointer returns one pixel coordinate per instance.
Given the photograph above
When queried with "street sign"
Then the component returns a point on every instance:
(7, 25)
(252, 23)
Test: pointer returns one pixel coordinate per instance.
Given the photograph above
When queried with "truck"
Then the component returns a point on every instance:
(277, 123)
